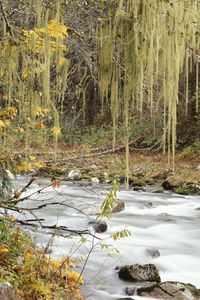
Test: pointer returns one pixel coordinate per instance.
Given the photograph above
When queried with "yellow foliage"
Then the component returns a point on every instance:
(7, 122)
(74, 277)
(57, 30)
(1, 125)
(32, 158)
(56, 130)
(24, 167)
(11, 112)
(35, 39)
(40, 125)
(25, 74)
(61, 61)
(34, 275)
(37, 165)
(4, 250)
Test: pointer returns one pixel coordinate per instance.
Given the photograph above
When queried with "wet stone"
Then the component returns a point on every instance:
(99, 226)
(130, 291)
(137, 272)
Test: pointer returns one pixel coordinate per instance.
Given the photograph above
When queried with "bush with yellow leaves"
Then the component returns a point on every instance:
(32, 273)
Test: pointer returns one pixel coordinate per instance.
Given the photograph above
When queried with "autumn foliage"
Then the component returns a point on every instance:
(34, 274)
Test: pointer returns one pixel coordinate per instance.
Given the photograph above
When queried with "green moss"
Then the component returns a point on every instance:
(147, 289)
(86, 176)
(187, 190)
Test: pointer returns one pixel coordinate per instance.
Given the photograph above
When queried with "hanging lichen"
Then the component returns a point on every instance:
(32, 68)
(143, 42)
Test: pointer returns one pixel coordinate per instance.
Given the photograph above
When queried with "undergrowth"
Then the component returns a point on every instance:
(32, 273)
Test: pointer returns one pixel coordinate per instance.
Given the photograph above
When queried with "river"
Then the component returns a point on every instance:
(167, 222)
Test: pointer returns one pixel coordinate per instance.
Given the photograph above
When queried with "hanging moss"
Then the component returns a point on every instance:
(34, 69)
(146, 41)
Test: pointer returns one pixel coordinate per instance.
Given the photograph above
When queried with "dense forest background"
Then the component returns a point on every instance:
(56, 62)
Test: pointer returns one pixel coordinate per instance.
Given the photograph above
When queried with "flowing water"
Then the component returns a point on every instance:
(167, 222)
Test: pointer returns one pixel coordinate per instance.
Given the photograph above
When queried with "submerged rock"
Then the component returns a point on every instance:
(7, 292)
(130, 291)
(150, 205)
(74, 175)
(170, 290)
(99, 226)
(152, 252)
(137, 272)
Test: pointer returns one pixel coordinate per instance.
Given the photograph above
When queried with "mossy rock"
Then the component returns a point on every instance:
(187, 189)
(139, 273)
(172, 182)
(136, 182)
(170, 290)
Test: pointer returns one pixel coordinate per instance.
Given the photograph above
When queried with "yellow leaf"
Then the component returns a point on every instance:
(56, 130)
(55, 182)
(25, 74)
(61, 61)
(38, 111)
(17, 194)
(40, 125)
(4, 250)
(32, 157)
(7, 122)
(1, 125)
(38, 165)
(24, 167)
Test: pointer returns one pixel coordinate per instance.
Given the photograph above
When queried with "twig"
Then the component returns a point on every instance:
(59, 229)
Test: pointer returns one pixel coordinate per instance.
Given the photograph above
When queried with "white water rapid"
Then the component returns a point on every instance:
(167, 222)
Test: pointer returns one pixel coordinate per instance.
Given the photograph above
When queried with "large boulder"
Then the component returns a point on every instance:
(181, 186)
(7, 292)
(172, 182)
(137, 272)
(170, 290)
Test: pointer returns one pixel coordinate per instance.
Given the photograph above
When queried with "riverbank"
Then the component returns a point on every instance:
(149, 171)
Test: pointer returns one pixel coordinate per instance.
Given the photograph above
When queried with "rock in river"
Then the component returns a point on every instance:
(74, 175)
(118, 206)
(137, 272)
(99, 226)
(95, 180)
(172, 182)
(170, 290)
(152, 252)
